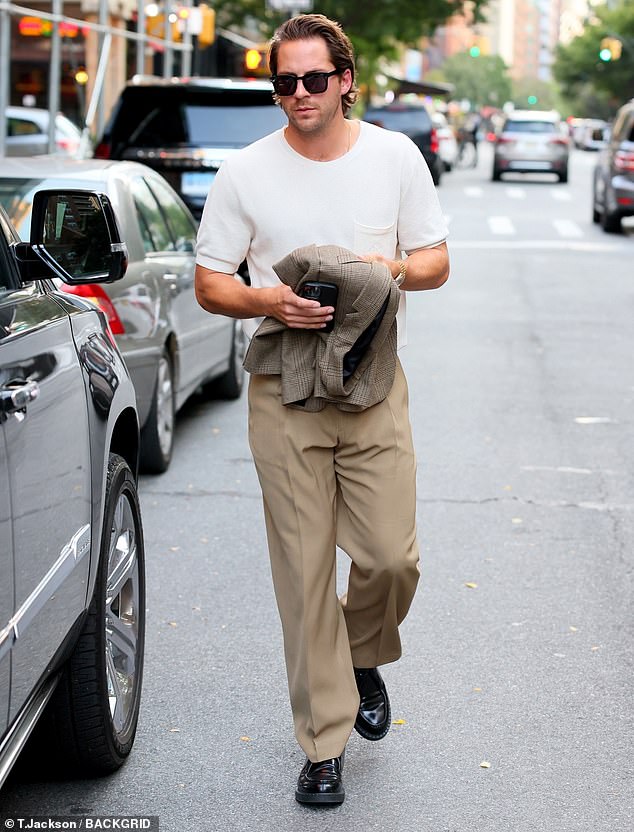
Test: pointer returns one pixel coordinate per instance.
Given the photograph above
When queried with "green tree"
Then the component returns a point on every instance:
(482, 81)
(578, 65)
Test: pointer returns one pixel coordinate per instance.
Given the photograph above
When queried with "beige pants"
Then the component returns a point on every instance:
(336, 478)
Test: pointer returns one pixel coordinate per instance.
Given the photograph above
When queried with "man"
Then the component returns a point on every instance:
(329, 477)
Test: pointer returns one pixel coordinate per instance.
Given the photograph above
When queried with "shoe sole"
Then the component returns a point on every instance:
(367, 735)
(328, 799)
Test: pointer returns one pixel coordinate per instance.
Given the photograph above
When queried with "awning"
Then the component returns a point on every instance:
(420, 87)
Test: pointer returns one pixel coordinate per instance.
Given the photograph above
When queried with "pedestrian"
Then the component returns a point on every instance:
(329, 477)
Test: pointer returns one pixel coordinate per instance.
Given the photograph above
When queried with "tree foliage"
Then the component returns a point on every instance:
(374, 26)
(482, 81)
(578, 65)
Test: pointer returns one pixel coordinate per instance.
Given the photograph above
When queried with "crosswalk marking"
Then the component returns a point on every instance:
(516, 193)
(561, 195)
(501, 225)
(473, 191)
(567, 228)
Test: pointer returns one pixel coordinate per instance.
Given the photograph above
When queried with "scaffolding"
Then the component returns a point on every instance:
(94, 116)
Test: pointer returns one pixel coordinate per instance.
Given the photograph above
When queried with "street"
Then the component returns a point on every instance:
(512, 703)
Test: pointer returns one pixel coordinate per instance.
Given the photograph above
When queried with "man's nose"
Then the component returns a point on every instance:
(301, 91)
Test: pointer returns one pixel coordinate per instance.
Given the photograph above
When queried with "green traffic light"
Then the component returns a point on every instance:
(605, 55)
(474, 51)
(532, 99)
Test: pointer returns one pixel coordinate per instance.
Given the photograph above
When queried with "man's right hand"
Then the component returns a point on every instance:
(297, 312)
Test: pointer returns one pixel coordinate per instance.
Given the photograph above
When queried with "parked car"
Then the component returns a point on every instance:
(593, 134)
(27, 133)
(613, 181)
(532, 141)
(170, 344)
(447, 143)
(415, 122)
(72, 586)
(185, 127)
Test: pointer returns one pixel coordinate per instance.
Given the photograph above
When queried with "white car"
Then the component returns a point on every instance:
(27, 133)
(447, 143)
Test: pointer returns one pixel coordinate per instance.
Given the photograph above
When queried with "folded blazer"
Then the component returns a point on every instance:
(351, 367)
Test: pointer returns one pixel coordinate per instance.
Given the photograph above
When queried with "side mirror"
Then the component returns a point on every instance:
(74, 236)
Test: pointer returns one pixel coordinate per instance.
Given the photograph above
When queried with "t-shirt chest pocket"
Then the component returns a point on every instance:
(370, 239)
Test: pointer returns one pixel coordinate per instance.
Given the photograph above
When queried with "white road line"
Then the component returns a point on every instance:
(567, 228)
(561, 194)
(473, 191)
(516, 193)
(554, 245)
(501, 225)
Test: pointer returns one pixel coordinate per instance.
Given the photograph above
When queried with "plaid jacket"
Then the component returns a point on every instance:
(311, 363)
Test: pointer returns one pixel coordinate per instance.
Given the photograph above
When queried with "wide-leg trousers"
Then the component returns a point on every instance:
(336, 478)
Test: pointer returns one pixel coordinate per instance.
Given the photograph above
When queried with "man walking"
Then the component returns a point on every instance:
(330, 476)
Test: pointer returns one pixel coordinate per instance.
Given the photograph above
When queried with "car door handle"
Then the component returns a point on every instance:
(15, 396)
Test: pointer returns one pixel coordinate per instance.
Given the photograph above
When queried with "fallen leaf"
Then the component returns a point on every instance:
(245, 739)
(477, 690)
(574, 630)
(471, 585)
(399, 722)
(172, 624)
(485, 764)
(596, 647)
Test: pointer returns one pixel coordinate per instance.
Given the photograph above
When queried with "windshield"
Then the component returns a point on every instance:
(405, 121)
(530, 127)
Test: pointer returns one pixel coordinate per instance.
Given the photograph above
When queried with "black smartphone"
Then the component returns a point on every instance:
(325, 293)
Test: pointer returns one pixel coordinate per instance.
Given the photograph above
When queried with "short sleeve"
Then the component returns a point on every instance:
(224, 235)
(421, 223)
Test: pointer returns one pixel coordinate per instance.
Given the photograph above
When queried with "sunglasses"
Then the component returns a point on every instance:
(314, 82)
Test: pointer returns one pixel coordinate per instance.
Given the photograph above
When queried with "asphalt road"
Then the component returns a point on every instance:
(518, 648)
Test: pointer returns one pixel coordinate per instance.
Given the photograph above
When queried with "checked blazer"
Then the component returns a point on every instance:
(311, 363)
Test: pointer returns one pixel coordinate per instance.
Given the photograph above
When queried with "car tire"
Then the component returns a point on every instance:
(229, 385)
(91, 720)
(596, 216)
(610, 221)
(157, 436)
(563, 176)
(496, 175)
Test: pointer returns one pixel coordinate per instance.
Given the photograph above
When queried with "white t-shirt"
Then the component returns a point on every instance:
(268, 200)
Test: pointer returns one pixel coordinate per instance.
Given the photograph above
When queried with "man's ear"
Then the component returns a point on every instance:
(346, 81)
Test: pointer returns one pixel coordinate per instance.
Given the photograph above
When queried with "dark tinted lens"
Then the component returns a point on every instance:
(315, 82)
(285, 84)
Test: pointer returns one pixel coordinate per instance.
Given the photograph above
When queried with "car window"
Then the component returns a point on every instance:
(530, 127)
(404, 121)
(154, 230)
(16, 196)
(22, 127)
(180, 224)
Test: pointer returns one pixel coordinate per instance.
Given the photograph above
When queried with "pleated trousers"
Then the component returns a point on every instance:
(336, 478)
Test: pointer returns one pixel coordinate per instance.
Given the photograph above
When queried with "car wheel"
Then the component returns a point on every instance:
(92, 717)
(496, 175)
(157, 436)
(610, 221)
(229, 385)
(563, 176)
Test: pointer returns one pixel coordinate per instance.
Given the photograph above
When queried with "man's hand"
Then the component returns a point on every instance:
(297, 312)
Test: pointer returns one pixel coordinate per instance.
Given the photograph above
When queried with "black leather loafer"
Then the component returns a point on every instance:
(374, 717)
(321, 782)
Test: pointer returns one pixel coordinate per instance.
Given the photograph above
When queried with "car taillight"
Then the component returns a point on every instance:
(505, 140)
(561, 140)
(93, 292)
(624, 161)
(102, 151)
(433, 139)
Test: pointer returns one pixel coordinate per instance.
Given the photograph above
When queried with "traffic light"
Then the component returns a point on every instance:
(208, 25)
(610, 49)
(475, 51)
(255, 62)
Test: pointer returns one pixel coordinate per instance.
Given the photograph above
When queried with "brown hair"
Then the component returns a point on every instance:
(305, 26)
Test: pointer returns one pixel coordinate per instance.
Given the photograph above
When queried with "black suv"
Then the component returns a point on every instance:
(613, 185)
(72, 598)
(415, 122)
(185, 128)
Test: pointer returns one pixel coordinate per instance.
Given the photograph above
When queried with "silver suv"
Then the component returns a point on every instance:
(532, 141)
(613, 188)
